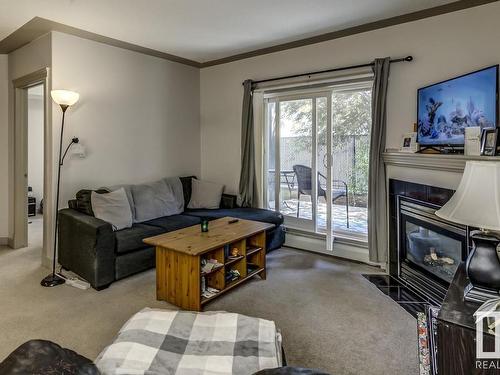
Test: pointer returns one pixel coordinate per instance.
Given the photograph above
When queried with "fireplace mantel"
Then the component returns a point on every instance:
(440, 162)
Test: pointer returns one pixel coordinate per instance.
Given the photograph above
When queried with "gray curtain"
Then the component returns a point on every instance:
(248, 183)
(377, 191)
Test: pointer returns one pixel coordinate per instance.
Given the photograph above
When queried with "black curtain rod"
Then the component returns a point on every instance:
(403, 59)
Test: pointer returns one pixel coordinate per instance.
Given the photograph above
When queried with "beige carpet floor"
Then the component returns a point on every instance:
(330, 316)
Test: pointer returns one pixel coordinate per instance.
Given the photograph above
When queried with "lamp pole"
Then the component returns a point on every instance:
(64, 99)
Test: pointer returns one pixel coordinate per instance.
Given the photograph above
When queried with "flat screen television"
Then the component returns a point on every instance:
(446, 108)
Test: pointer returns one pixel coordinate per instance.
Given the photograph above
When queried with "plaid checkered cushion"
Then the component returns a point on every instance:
(182, 342)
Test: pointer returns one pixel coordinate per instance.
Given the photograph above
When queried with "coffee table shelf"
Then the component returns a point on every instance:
(231, 285)
(251, 251)
(179, 257)
(231, 261)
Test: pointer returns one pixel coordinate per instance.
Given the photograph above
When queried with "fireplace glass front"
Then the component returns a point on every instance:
(432, 251)
(428, 244)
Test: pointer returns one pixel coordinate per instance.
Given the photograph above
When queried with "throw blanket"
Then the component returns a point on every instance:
(181, 342)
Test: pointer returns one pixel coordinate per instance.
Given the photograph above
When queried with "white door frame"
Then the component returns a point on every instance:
(20, 161)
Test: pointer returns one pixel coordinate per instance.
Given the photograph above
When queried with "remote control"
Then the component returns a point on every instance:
(233, 221)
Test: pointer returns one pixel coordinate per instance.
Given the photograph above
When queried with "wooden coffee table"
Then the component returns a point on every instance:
(179, 255)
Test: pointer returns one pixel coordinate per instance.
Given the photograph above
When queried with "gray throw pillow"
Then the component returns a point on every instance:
(113, 208)
(176, 186)
(153, 200)
(128, 191)
(205, 194)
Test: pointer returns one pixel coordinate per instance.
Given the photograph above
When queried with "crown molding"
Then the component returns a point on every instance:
(409, 17)
(38, 26)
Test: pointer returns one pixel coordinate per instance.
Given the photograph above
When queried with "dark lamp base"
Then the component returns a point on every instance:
(483, 268)
(52, 280)
(479, 295)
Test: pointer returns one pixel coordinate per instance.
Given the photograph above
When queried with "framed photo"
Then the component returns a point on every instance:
(409, 142)
(490, 142)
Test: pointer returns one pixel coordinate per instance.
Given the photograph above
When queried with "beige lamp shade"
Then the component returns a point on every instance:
(477, 200)
(64, 97)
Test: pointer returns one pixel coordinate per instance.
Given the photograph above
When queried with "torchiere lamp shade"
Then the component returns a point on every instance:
(64, 97)
(476, 202)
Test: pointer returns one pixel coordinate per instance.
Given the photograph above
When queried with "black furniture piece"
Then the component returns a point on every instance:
(89, 247)
(46, 357)
(304, 185)
(456, 341)
(31, 206)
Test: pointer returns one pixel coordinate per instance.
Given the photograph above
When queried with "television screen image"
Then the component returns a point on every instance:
(445, 109)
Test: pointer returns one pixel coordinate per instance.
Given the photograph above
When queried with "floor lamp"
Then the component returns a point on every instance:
(65, 99)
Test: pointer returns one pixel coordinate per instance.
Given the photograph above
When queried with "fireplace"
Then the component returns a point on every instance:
(424, 250)
(429, 248)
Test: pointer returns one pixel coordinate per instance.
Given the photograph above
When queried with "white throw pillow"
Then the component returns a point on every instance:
(205, 194)
(112, 207)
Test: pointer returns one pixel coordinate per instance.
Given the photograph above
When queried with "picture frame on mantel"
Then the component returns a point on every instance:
(490, 142)
(409, 142)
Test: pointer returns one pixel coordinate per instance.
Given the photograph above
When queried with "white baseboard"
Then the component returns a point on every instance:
(347, 250)
(4, 241)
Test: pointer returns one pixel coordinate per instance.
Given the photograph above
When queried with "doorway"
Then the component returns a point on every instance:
(22, 149)
(35, 149)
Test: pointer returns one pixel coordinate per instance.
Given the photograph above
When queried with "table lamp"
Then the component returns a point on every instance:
(476, 203)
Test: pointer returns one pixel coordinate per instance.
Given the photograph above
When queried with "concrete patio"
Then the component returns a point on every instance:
(357, 215)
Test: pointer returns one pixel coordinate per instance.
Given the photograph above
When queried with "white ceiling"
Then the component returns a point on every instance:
(204, 30)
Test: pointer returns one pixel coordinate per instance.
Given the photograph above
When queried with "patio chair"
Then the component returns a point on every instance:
(304, 187)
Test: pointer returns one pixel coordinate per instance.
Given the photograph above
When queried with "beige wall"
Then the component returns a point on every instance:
(138, 116)
(25, 60)
(443, 47)
(30, 58)
(4, 149)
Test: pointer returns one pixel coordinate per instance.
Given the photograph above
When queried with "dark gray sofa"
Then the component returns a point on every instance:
(90, 248)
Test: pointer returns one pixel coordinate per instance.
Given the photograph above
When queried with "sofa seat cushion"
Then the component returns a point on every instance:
(256, 214)
(174, 222)
(130, 239)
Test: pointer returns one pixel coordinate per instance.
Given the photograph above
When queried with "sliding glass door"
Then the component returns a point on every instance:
(316, 159)
(296, 142)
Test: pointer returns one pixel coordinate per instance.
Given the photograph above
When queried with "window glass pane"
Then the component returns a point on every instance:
(350, 147)
(296, 158)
